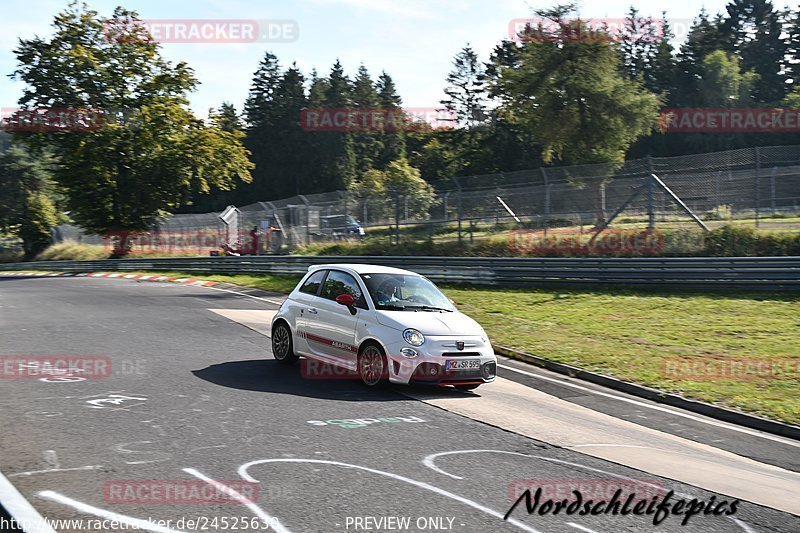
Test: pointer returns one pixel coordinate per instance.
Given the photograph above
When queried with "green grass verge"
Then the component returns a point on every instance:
(634, 335)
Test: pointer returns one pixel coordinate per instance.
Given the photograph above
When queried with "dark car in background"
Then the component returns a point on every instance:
(341, 227)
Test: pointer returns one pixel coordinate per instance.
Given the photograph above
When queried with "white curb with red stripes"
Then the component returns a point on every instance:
(171, 279)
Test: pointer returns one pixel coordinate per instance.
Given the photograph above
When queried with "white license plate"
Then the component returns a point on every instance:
(462, 364)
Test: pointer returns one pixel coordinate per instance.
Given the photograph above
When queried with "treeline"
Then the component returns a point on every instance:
(748, 56)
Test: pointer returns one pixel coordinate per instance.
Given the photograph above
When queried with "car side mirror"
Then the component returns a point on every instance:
(345, 299)
(348, 300)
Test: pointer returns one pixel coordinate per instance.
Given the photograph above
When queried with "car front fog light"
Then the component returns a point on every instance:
(413, 337)
(408, 352)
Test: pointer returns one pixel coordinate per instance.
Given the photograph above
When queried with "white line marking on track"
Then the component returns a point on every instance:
(102, 513)
(258, 511)
(273, 302)
(656, 407)
(581, 528)
(609, 446)
(742, 525)
(51, 470)
(247, 477)
(429, 461)
(20, 509)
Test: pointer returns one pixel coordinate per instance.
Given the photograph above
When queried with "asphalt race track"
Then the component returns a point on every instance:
(193, 396)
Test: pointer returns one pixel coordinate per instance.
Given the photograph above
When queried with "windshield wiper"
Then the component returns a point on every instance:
(431, 308)
(391, 307)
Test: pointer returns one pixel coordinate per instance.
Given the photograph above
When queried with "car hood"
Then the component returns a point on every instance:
(430, 323)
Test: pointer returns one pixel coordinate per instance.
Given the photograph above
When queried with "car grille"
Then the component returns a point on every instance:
(461, 354)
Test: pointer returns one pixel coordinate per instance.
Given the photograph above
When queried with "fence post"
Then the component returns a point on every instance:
(651, 209)
(396, 217)
(460, 194)
(758, 187)
(546, 200)
(773, 199)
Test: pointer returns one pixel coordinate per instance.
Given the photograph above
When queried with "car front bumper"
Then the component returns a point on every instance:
(430, 365)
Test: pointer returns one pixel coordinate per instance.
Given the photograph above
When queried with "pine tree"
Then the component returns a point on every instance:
(367, 144)
(660, 77)
(394, 142)
(466, 89)
(792, 60)
(265, 79)
(336, 147)
(752, 29)
(226, 118)
(704, 38)
(638, 44)
(292, 166)
(261, 133)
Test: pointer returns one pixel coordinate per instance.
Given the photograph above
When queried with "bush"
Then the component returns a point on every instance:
(728, 241)
(10, 256)
(684, 243)
(73, 251)
(722, 212)
(740, 241)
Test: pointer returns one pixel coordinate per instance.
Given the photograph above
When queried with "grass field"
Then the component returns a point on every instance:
(640, 336)
(643, 337)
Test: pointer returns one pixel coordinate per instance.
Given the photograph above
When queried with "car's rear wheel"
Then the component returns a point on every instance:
(282, 346)
(372, 367)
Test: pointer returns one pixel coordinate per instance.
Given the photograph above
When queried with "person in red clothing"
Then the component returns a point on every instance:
(253, 244)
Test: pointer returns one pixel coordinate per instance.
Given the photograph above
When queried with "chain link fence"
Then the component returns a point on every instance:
(758, 186)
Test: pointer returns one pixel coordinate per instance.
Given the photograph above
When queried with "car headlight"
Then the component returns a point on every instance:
(413, 337)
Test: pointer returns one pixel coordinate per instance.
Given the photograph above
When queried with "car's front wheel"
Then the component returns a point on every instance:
(372, 367)
(282, 346)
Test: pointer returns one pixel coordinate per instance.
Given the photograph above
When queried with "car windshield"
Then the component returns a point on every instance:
(340, 220)
(405, 292)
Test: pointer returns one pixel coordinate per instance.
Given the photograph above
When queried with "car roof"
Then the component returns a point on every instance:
(358, 268)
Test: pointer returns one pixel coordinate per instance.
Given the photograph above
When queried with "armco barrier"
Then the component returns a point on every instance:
(767, 273)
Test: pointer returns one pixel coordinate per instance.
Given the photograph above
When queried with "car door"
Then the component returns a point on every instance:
(304, 309)
(331, 334)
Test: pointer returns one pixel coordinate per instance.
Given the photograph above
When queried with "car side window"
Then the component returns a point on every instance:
(339, 283)
(311, 285)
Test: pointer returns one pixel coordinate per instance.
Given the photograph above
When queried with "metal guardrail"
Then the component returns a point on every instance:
(766, 273)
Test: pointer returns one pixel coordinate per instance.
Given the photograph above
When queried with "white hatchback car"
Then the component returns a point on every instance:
(384, 324)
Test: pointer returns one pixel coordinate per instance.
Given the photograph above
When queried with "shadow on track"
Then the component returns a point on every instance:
(267, 375)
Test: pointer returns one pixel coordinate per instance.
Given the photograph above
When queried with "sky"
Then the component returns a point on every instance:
(412, 40)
